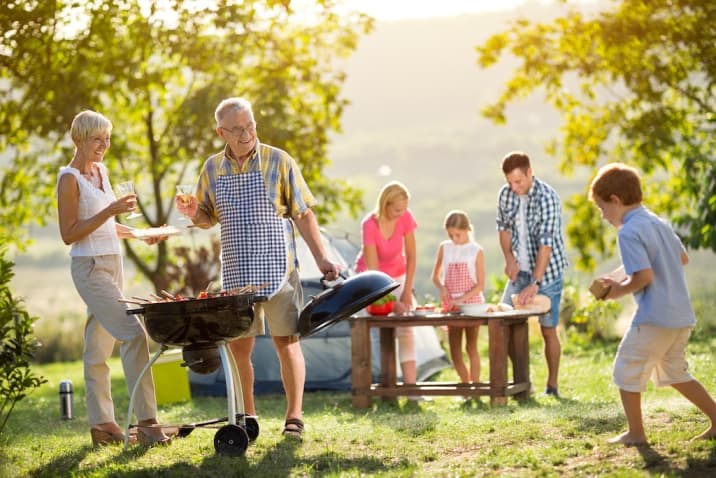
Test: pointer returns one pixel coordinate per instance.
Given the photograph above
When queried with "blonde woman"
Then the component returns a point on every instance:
(86, 208)
(388, 245)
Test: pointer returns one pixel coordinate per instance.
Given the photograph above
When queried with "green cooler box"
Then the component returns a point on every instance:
(171, 380)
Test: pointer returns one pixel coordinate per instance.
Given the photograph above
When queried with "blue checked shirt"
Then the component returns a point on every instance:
(285, 185)
(544, 225)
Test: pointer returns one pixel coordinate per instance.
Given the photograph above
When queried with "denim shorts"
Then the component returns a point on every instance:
(553, 290)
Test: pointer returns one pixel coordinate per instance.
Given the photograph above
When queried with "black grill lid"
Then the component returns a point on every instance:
(343, 300)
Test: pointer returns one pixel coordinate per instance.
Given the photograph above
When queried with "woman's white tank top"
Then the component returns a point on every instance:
(103, 240)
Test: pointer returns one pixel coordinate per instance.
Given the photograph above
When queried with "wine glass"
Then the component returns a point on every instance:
(124, 189)
(184, 193)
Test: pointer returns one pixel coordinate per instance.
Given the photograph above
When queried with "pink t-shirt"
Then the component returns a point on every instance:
(391, 251)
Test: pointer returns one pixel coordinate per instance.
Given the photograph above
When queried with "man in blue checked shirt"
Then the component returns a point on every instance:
(529, 224)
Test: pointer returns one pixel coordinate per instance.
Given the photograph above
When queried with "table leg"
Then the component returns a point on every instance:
(498, 361)
(521, 357)
(361, 373)
(388, 373)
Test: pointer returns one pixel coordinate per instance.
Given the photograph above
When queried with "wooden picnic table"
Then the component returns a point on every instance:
(506, 330)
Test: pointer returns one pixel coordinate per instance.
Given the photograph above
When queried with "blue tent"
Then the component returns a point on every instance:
(327, 352)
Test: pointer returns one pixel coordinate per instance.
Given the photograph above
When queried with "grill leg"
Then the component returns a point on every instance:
(134, 391)
(234, 393)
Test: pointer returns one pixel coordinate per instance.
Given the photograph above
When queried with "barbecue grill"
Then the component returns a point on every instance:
(202, 327)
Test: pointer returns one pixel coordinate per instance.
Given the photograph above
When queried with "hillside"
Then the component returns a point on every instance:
(416, 92)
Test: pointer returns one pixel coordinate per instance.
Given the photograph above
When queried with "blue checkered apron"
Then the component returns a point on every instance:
(253, 246)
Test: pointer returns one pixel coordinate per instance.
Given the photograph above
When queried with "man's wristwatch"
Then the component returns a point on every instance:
(536, 282)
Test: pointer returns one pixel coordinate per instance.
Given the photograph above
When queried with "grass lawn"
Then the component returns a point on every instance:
(444, 437)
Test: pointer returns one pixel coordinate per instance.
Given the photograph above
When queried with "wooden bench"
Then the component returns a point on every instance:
(506, 331)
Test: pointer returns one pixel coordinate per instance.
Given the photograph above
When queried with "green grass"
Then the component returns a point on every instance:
(445, 437)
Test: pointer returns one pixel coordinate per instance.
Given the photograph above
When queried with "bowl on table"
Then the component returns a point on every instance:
(380, 309)
(473, 309)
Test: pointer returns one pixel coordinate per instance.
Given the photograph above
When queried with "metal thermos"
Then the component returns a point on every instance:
(66, 405)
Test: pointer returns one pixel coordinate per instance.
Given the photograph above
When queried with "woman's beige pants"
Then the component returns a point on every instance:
(99, 282)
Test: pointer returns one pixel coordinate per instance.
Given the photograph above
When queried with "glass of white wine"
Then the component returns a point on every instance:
(125, 188)
(184, 193)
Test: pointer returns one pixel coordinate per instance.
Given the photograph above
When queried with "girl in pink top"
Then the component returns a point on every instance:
(459, 275)
(388, 245)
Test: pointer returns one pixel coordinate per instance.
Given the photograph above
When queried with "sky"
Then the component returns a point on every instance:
(388, 10)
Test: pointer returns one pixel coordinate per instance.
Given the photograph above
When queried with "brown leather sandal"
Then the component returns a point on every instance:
(293, 428)
(147, 435)
(102, 437)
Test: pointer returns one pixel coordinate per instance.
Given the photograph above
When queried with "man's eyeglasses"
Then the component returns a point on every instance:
(238, 131)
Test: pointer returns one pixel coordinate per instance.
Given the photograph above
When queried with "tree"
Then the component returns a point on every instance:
(17, 346)
(634, 83)
(157, 70)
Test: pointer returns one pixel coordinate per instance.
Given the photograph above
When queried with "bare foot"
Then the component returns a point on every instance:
(628, 439)
(709, 434)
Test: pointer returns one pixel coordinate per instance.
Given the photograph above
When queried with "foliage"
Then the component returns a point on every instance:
(195, 269)
(704, 303)
(498, 284)
(585, 319)
(634, 83)
(61, 338)
(17, 346)
(157, 70)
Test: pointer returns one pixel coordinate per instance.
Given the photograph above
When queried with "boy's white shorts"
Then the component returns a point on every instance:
(647, 351)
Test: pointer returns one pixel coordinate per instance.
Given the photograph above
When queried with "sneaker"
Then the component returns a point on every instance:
(552, 391)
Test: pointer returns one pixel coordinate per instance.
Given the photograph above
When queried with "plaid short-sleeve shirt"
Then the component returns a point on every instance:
(284, 182)
(544, 225)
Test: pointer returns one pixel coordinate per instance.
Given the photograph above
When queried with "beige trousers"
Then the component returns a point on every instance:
(99, 282)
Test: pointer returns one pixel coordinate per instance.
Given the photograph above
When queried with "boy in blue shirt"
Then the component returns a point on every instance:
(653, 258)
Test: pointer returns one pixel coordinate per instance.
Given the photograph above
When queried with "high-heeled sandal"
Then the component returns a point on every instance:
(149, 440)
(102, 437)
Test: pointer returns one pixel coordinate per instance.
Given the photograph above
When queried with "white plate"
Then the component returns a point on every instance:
(424, 311)
(473, 309)
(156, 232)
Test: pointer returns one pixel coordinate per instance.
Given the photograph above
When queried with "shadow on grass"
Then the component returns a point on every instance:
(70, 462)
(657, 464)
(63, 463)
(281, 460)
(708, 464)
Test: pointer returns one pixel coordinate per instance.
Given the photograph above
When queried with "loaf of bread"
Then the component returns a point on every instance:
(539, 302)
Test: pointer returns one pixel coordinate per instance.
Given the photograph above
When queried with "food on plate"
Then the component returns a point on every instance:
(501, 307)
(447, 310)
(424, 309)
(538, 302)
(140, 233)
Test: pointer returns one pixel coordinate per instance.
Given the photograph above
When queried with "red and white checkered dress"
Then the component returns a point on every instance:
(458, 269)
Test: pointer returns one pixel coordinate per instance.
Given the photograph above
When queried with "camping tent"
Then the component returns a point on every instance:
(327, 352)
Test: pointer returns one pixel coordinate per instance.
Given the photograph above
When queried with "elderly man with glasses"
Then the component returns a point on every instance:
(257, 194)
